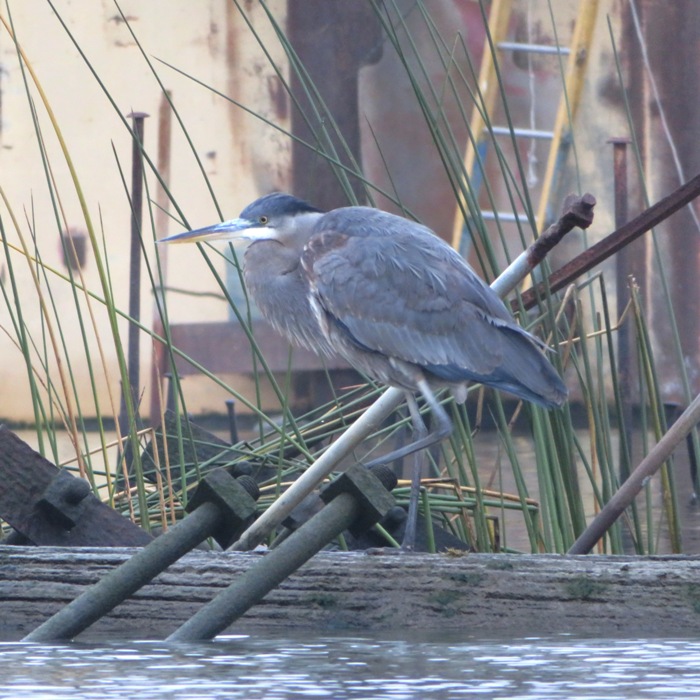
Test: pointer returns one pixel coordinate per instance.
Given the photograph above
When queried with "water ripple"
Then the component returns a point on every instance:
(277, 668)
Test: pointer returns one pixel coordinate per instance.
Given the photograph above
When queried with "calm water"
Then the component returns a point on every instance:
(342, 667)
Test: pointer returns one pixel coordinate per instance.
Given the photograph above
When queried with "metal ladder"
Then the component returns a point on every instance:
(488, 90)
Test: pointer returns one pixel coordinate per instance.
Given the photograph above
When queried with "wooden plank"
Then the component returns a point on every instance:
(24, 477)
(480, 594)
(224, 348)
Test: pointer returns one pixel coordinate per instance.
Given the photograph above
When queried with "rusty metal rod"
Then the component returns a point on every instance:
(602, 250)
(135, 259)
(133, 355)
(576, 212)
(623, 268)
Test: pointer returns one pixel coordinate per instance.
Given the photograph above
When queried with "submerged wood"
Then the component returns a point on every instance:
(480, 595)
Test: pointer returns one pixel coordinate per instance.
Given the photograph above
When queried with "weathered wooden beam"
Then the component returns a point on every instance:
(477, 594)
(48, 506)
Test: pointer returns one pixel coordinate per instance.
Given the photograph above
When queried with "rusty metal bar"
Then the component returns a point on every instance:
(617, 240)
(576, 212)
(135, 261)
(623, 267)
(133, 355)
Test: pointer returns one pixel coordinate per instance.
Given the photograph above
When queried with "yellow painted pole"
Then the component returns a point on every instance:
(573, 83)
(488, 90)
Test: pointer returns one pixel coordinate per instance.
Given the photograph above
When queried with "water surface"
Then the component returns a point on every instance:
(277, 667)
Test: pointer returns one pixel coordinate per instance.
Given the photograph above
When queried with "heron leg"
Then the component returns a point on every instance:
(443, 429)
(424, 439)
(421, 432)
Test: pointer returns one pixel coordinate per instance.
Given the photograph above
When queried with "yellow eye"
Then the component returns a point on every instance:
(262, 220)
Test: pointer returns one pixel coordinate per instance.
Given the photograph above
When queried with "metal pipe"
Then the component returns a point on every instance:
(576, 212)
(134, 573)
(225, 503)
(623, 268)
(133, 354)
(533, 48)
(602, 250)
(363, 427)
(340, 514)
(519, 132)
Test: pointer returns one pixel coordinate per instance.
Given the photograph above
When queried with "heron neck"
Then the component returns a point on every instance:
(276, 283)
(268, 259)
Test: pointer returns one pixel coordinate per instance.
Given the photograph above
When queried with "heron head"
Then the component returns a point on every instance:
(271, 217)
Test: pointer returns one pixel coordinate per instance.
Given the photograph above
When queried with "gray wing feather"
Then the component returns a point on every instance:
(401, 291)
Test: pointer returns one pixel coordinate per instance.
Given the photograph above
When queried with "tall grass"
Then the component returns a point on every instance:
(528, 482)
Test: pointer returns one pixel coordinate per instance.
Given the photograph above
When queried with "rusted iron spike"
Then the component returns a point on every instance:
(602, 250)
(576, 212)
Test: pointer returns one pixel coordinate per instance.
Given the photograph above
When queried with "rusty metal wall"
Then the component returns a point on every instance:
(244, 156)
(660, 52)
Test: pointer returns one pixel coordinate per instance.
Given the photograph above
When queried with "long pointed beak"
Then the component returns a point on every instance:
(226, 230)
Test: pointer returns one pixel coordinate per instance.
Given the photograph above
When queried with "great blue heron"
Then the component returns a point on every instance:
(393, 299)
